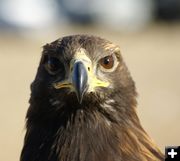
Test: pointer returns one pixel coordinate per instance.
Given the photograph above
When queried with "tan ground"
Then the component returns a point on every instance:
(153, 57)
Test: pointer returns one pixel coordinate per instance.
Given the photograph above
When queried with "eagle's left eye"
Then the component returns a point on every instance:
(107, 62)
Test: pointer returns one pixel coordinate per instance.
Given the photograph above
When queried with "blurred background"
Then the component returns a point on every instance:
(148, 32)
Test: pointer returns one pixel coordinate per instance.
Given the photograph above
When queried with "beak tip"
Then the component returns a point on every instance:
(80, 101)
(80, 96)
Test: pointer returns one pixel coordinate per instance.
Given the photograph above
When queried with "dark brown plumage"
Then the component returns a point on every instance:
(83, 106)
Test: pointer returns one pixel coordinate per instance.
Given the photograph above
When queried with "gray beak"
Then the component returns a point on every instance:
(79, 79)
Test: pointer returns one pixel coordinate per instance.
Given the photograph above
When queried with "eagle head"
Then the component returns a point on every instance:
(82, 71)
(83, 106)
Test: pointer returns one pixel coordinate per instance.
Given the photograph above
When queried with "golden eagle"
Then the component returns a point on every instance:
(83, 106)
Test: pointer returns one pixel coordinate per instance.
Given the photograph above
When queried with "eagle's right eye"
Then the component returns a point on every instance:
(53, 65)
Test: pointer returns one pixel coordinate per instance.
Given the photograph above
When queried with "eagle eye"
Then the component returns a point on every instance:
(107, 62)
(53, 65)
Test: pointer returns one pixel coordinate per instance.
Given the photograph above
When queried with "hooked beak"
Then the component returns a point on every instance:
(79, 79)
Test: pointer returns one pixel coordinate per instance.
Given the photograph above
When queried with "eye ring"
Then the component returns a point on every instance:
(53, 65)
(107, 62)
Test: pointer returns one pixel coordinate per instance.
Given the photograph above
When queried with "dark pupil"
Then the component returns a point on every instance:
(106, 60)
(54, 64)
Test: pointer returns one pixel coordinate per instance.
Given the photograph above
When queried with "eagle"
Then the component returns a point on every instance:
(83, 106)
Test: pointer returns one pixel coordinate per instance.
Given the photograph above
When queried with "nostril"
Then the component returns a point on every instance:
(88, 68)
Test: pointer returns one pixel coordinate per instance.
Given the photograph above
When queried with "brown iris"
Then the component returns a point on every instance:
(107, 62)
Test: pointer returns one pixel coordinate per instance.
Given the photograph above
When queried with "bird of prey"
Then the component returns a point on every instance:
(83, 106)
